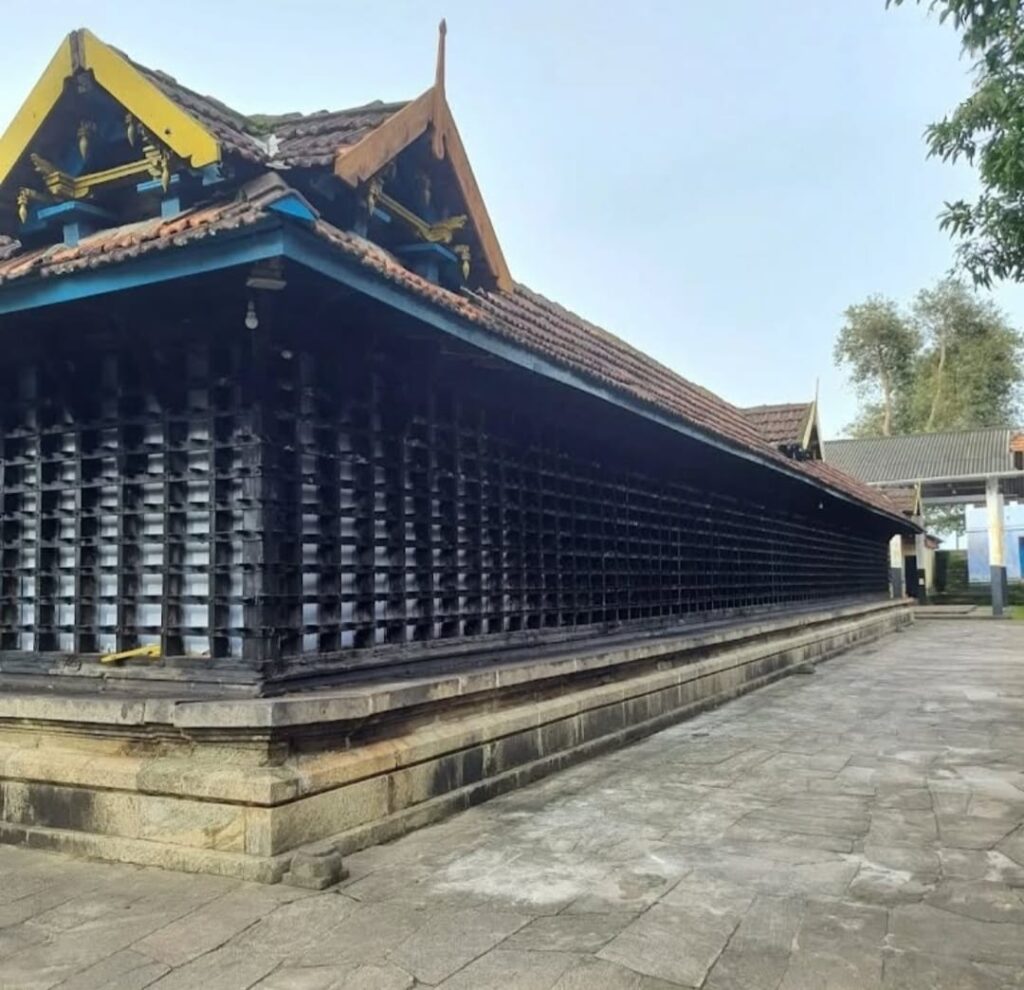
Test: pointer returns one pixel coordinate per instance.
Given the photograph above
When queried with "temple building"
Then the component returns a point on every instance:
(288, 459)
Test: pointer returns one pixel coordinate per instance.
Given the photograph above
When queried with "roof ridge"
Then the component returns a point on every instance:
(933, 433)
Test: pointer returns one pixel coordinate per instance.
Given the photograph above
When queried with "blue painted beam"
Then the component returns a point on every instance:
(426, 249)
(72, 208)
(156, 186)
(67, 212)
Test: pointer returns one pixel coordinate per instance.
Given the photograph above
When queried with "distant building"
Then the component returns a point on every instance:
(978, 548)
(973, 468)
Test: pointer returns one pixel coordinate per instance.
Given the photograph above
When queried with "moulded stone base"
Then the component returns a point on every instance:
(274, 789)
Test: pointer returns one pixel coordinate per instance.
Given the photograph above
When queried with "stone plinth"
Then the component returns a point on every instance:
(274, 788)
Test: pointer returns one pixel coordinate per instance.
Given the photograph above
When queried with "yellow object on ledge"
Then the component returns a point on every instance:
(151, 650)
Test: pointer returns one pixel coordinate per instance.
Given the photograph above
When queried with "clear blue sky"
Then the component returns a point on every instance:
(713, 182)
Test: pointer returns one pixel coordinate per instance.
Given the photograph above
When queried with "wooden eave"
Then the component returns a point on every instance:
(82, 51)
(360, 162)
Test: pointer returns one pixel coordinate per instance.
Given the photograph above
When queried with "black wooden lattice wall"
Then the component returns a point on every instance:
(328, 500)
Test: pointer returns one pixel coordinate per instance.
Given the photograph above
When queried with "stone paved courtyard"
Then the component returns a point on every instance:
(858, 828)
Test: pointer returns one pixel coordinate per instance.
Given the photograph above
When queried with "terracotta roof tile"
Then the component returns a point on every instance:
(131, 240)
(228, 126)
(522, 316)
(314, 139)
(302, 140)
(781, 424)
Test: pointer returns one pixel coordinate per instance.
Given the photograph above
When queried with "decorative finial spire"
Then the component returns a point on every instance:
(439, 101)
(442, 30)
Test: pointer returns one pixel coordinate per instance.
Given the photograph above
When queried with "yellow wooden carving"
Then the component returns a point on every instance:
(63, 186)
(439, 232)
(143, 102)
(26, 196)
(33, 111)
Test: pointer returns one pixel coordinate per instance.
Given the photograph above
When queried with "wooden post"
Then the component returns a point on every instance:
(996, 539)
(896, 566)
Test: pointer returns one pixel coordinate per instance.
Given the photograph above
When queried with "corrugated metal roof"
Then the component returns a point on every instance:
(924, 456)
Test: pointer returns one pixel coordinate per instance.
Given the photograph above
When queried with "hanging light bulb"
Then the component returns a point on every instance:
(252, 321)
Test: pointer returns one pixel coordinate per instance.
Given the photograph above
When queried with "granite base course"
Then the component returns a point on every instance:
(276, 788)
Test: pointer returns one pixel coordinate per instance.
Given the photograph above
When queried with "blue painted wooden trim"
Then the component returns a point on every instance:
(33, 293)
(420, 249)
(41, 217)
(293, 206)
(75, 230)
(155, 185)
(73, 208)
(312, 253)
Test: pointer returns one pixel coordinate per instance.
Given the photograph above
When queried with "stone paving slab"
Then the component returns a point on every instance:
(858, 829)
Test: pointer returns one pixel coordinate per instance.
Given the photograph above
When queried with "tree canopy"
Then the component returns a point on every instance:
(951, 361)
(877, 345)
(987, 130)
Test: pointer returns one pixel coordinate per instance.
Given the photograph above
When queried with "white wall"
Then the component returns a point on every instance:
(977, 541)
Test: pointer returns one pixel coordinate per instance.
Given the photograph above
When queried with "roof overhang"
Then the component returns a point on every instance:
(280, 238)
(82, 51)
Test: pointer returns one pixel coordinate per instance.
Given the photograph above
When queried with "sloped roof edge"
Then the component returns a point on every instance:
(523, 318)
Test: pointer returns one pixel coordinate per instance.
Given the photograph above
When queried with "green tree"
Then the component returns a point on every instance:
(878, 346)
(953, 362)
(987, 131)
(969, 370)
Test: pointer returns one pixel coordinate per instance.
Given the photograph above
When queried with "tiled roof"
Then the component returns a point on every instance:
(314, 139)
(924, 456)
(302, 140)
(521, 316)
(231, 128)
(904, 497)
(785, 423)
(119, 244)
